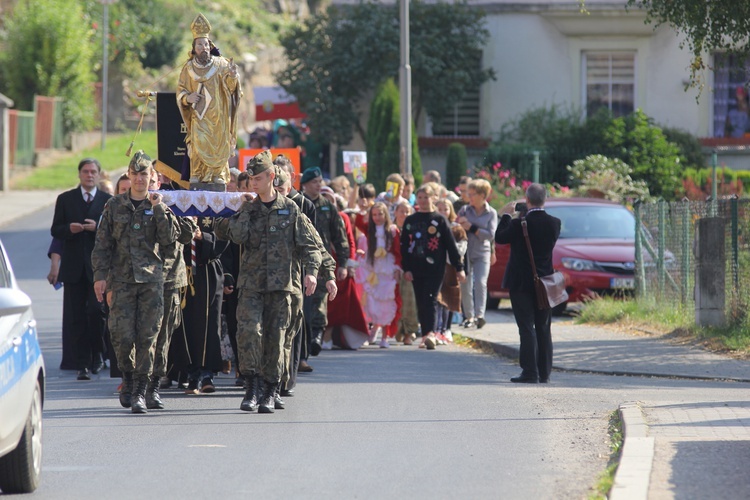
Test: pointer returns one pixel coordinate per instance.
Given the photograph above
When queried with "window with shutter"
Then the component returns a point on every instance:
(609, 82)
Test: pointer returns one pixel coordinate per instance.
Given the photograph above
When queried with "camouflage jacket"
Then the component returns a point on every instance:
(328, 266)
(128, 240)
(274, 239)
(175, 272)
(331, 229)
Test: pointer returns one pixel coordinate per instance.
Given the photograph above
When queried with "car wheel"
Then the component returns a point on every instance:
(20, 469)
(559, 309)
(492, 303)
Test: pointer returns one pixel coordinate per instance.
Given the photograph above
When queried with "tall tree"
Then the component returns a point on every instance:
(384, 137)
(45, 52)
(337, 58)
(708, 25)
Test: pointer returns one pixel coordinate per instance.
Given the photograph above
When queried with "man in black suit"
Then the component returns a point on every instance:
(77, 214)
(533, 324)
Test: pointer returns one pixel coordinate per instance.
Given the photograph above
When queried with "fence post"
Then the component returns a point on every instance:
(640, 282)
(662, 242)
(735, 249)
(685, 271)
(5, 103)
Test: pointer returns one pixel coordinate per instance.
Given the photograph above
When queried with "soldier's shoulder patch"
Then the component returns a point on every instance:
(283, 211)
(325, 208)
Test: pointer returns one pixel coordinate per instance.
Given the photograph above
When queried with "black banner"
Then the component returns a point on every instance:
(170, 136)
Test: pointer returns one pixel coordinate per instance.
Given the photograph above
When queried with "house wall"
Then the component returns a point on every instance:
(537, 55)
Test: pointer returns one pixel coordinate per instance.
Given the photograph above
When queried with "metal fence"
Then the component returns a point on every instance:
(665, 251)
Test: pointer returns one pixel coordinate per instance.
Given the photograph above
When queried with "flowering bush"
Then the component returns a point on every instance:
(601, 177)
(507, 186)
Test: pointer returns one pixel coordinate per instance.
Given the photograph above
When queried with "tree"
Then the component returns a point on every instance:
(337, 58)
(708, 25)
(46, 52)
(384, 137)
(455, 164)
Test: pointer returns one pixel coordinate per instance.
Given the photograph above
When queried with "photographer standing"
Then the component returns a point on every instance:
(533, 324)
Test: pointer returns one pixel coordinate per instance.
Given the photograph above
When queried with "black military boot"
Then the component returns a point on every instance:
(316, 345)
(138, 401)
(265, 398)
(278, 403)
(250, 401)
(153, 401)
(127, 389)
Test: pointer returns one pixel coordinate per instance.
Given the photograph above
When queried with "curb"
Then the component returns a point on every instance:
(513, 353)
(637, 457)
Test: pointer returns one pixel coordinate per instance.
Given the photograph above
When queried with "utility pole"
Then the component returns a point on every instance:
(404, 84)
(105, 67)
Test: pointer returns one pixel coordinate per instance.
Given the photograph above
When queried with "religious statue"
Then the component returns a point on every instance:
(208, 95)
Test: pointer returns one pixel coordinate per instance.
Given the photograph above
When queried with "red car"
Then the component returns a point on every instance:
(595, 252)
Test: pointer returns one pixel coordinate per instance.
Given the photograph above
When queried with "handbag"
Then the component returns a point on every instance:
(550, 290)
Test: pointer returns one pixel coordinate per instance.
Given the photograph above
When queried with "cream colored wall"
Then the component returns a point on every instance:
(533, 67)
(538, 62)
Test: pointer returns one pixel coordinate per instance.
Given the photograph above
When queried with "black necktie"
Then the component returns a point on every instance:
(88, 198)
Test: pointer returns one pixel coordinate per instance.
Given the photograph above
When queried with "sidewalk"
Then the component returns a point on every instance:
(18, 204)
(696, 437)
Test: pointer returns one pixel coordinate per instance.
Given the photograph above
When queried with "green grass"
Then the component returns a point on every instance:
(607, 478)
(63, 174)
(669, 318)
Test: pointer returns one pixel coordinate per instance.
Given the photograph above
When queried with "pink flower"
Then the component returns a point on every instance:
(525, 184)
(512, 182)
(564, 189)
(496, 166)
(505, 174)
(507, 193)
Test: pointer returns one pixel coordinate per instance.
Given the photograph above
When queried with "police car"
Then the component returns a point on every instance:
(21, 387)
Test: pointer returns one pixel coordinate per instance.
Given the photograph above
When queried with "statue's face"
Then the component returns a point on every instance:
(201, 45)
(202, 49)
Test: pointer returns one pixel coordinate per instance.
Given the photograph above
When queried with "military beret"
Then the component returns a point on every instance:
(139, 162)
(281, 175)
(259, 163)
(310, 174)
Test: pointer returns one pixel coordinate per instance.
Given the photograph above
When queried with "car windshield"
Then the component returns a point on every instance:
(591, 221)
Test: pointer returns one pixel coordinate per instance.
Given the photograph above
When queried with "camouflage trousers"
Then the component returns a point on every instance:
(319, 317)
(408, 323)
(169, 322)
(135, 317)
(263, 320)
(295, 326)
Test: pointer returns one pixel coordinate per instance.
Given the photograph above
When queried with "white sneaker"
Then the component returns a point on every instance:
(384, 343)
(448, 336)
(326, 345)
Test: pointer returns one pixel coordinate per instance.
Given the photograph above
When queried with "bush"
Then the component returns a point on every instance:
(47, 50)
(455, 165)
(563, 136)
(608, 178)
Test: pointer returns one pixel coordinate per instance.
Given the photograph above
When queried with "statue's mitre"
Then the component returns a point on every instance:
(201, 28)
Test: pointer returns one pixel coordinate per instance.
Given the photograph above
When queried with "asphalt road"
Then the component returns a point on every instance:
(375, 423)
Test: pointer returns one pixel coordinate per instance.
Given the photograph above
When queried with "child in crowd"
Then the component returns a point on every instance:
(449, 300)
(379, 272)
(426, 242)
(365, 199)
(408, 326)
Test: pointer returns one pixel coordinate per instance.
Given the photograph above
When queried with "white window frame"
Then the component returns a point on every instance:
(584, 79)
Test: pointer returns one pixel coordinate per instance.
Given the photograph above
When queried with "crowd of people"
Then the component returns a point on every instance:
(173, 301)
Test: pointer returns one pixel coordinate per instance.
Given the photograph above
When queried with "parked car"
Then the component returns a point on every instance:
(595, 252)
(22, 381)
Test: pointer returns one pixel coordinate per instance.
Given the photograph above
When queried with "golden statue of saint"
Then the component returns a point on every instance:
(208, 95)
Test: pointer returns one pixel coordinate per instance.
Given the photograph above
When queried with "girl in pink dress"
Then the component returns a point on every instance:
(379, 272)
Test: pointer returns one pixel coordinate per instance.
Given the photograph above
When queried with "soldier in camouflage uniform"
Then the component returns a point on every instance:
(292, 345)
(274, 235)
(127, 262)
(333, 233)
(175, 278)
